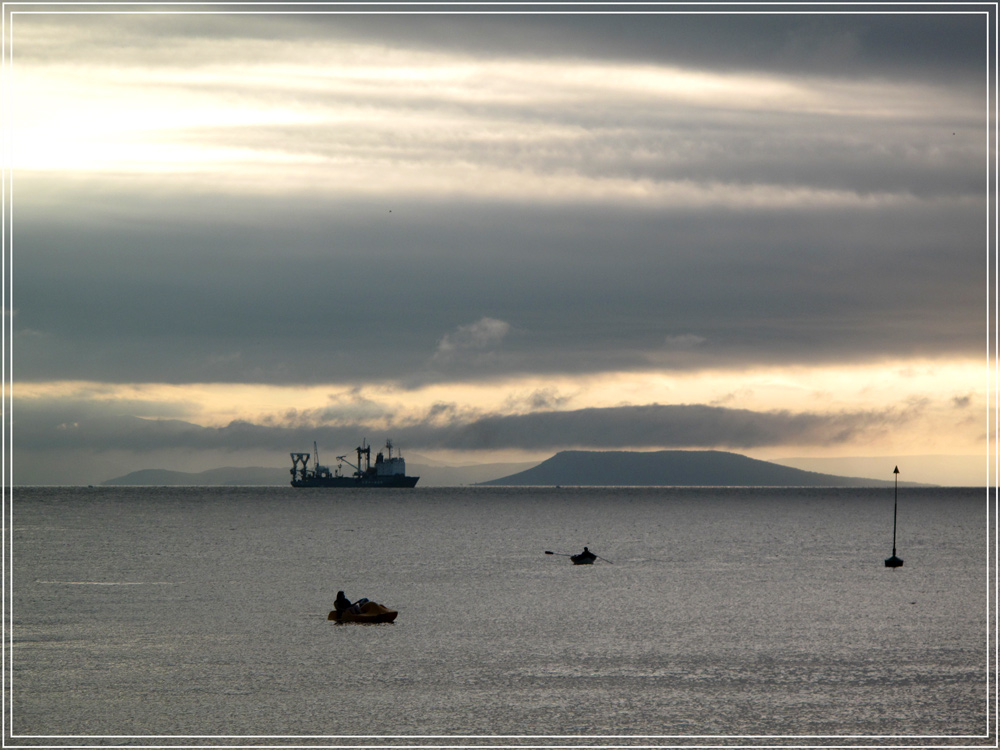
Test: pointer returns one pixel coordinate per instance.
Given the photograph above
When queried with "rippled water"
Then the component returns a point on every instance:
(201, 612)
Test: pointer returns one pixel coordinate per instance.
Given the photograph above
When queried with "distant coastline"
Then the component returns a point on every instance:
(567, 468)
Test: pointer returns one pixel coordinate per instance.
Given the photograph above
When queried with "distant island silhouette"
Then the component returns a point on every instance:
(568, 468)
(245, 476)
(677, 468)
(432, 474)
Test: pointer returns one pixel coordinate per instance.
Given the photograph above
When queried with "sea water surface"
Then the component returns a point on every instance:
(717, 615)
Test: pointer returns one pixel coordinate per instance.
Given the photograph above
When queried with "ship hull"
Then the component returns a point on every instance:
(347, 483)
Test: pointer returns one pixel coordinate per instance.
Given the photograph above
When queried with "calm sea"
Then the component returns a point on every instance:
(717, 616)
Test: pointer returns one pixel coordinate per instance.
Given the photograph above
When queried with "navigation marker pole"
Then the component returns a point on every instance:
(894, 562)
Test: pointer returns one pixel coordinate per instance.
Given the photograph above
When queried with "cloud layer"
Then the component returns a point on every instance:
(637, 427)
(412, 199)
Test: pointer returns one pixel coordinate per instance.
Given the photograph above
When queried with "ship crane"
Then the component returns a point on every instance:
(296, 458)
(362, 450)
(343, 459)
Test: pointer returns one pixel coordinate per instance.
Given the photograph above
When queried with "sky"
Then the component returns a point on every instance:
(491, 233)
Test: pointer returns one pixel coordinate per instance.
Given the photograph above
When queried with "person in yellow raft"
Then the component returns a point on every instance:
(342, 603)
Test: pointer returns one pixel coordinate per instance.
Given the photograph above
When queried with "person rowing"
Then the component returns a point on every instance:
(580, 558)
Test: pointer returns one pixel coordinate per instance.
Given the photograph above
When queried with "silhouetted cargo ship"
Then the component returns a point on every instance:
(387, 471)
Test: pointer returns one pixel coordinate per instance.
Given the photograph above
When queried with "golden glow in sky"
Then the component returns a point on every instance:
(941, 403)
(175, 119)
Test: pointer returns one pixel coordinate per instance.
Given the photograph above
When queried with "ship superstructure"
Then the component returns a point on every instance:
(387, 471)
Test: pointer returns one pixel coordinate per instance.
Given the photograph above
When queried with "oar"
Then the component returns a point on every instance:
(604, 558)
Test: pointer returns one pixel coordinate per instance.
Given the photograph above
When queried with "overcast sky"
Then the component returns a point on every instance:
(235, 233)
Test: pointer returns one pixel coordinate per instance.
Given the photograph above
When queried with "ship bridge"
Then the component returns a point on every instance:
(391, 465)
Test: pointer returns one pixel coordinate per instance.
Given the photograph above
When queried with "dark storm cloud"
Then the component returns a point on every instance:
(649, 426)
(264, 290)
(659, 426)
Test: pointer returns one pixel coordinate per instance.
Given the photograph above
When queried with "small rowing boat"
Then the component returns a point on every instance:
(369, 613)
(584, 558)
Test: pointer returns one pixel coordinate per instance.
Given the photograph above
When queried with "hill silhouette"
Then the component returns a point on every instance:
(227, 476)
(673, 468)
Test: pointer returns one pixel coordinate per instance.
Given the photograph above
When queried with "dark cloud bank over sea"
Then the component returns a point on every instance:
(614, 427)
(635, 427)
(583, 289)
